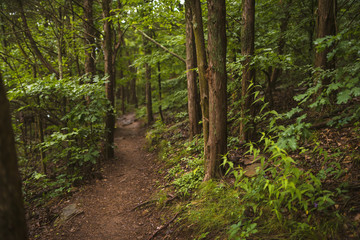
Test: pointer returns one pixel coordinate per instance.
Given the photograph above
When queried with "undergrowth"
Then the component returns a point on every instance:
(284, 200)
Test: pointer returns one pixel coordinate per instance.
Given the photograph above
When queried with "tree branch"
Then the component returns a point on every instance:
(159, 45)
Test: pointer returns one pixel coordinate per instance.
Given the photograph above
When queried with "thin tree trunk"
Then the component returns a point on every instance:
(89, 37)
(217, 88)
(276, 72)
(12, 214)
(41, 138)
(133, 97)
(122, 92)
(109, 86)
(248, 75)
(202, 67)
(194, 108)
(149, 112)
(160, 98)
(60, 56)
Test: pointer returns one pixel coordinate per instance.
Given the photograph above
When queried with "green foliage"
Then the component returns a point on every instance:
(285, 195)
(214, 208)
(344, 86)
(72, 112)
(188, 177)
(242, 230)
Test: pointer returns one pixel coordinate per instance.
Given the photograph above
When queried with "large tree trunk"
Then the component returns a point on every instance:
(202, 67)
(194, 109)
(12, 215)
(109, 86)
(248, 75)
(326, 26)
(89, 36)
(149, 111)
(217, 88)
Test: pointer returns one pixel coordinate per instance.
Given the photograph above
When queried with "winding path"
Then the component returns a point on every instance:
(107, 205)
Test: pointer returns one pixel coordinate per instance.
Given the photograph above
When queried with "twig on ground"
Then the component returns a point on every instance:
(164, 226)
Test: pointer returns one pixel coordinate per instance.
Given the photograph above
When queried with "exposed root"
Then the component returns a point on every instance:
(163, 227)
(143, 204)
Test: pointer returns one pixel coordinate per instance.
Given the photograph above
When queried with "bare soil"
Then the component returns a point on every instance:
(107, 206)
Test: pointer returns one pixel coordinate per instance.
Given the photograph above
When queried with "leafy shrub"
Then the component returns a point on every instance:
(71, 111)
(286, 196)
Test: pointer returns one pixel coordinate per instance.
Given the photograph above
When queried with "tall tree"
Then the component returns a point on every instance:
(202, 68)
(217, 88)
(12, 216)
(194, 109)
(248, 75)
(160, 94)
(149, 111)
(133, 97)
(89, 37)
(326, 26)
(109, 86)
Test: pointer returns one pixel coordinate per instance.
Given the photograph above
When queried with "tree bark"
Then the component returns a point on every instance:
(194, 109)
(109, 86)
(217, 88)
(160, 97)
(326, 26)
(89, 37)
(149, 111)
(248, 75)
(133, 97)
(202, 67)
(12, 215)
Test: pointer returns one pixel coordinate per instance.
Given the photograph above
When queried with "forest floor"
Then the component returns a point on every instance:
(111, 207)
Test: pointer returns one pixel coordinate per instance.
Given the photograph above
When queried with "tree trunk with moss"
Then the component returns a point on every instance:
(202, 67)
(194, 109)
(217, 88)
(248, 74)
(109, 86)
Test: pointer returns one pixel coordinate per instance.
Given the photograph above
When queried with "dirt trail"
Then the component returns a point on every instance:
(107, 205)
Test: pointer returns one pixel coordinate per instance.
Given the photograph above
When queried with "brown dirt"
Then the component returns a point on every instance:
(108, 205)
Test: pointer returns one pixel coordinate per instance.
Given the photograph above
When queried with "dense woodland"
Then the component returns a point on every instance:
(252, 106)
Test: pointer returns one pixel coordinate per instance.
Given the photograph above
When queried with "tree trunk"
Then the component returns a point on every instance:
(12, 215)
(248, 75)
(276, 72)
(89, 37)
(133, 97)
(194, 109)
(217, 88)
(160, 97)
(202, 67)
(149, 112)
(109, 86)
(326, 26)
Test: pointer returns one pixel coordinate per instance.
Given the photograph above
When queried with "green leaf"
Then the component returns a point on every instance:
(344, 96)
